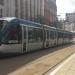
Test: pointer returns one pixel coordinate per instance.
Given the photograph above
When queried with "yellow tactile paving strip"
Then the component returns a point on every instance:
(66, 68)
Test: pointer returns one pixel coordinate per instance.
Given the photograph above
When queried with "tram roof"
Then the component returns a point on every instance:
(22, 21)
(30, 23)
(7, 18)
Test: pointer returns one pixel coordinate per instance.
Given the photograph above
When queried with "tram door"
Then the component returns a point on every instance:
(24, 38)
(35, 38)
(47, 39)
(53, 37)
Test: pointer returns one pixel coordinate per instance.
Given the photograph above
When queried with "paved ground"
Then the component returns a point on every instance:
(35, 63)
(65, 68)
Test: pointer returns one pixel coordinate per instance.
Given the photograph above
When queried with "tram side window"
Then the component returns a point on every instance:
(64, 35)
(19, 33)
(59, 35)
(52, 34)
(39, 34)
(30, 34)
(34, 35)
(47, 34)
(25, 34)
(55, 35)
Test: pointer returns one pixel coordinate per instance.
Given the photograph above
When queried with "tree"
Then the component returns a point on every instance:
(39, 19)
(57, 24)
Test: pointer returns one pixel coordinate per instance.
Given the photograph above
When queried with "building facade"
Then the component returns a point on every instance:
(50, 11)
(70, 18)
(9, 8)
(43, 11)
(1, 7)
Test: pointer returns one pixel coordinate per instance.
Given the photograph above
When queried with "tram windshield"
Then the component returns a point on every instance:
(11, 33)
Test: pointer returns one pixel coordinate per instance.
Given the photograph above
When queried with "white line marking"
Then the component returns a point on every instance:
(62, 64)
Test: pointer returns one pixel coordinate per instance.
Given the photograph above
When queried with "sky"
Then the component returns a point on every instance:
(65, 6)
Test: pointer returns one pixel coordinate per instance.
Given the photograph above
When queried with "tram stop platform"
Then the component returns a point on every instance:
(67, 67)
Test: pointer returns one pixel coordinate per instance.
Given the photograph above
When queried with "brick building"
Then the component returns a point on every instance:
(50, 11)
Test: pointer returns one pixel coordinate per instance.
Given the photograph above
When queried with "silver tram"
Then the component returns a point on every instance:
(20, 36)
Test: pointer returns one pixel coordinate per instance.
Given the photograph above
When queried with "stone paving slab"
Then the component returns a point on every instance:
(66, 68)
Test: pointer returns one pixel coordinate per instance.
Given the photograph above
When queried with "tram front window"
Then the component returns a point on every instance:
(13, 35)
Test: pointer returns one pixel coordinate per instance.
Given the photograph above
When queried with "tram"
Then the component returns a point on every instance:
(21, 36)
